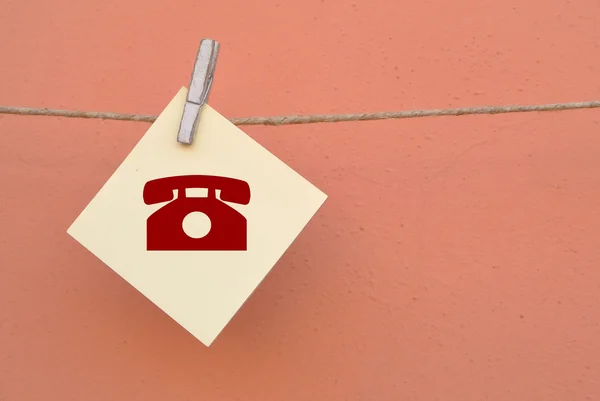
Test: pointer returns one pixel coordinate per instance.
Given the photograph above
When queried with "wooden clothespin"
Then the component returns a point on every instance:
(197, 96)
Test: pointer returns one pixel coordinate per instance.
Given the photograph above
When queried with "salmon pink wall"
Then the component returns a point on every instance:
(455, 259)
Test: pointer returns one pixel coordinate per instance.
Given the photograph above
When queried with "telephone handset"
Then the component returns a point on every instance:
(164, 228)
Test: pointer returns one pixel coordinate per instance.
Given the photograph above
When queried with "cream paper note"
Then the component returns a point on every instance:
(201, 290)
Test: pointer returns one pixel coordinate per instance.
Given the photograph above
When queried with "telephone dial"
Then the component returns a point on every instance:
(164, 228)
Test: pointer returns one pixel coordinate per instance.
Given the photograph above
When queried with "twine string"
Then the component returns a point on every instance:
(315, 118)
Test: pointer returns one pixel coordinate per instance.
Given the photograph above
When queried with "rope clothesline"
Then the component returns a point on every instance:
(316, 118)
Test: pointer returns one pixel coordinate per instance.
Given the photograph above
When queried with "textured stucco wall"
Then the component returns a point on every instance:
(455, 259)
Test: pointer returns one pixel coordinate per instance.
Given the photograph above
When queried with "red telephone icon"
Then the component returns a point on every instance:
(164, 228)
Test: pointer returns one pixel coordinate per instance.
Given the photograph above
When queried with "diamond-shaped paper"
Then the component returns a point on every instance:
(200, 284)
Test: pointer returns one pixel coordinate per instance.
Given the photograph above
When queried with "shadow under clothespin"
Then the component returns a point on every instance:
(202, 77)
